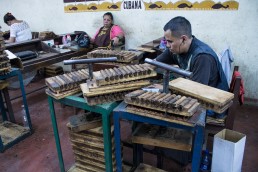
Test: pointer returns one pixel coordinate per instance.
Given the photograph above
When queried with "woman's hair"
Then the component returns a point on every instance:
(109, 14)
(8, 17)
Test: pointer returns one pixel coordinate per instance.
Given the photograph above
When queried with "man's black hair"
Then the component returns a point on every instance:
(179, 26)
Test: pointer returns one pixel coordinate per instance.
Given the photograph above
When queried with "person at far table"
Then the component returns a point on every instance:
(19, 29)
(189, 53)
(108, 34)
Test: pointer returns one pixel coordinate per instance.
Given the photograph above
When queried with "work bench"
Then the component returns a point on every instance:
(13, 139)
(196, 126)
(78, 102)
(50, 55)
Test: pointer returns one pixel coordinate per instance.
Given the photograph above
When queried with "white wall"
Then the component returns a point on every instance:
(237, 29)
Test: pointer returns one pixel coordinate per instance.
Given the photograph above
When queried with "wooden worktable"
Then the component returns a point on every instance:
(51, 56)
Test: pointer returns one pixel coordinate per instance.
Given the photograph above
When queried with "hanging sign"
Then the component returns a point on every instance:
(118, 5)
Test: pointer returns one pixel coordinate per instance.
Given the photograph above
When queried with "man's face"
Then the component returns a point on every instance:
(107, 21)
(173, 44)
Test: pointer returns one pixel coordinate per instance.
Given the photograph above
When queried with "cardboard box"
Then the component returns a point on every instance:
(228, 151)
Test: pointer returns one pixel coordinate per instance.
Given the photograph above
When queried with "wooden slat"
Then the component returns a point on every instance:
(147, 168)
(172, 138)
(80, 122)
(201, 92)
(122, 56)
(101, 90)
(89, 167)
(91, 153)
(154, 101)
(63, 94)
(150, 50)
(128, 75)
(75, 169)
(86, 139)
(112, 97)
(165, 117)
(92, 161)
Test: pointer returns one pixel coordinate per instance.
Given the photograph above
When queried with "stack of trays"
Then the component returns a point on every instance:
(5, 66)
(122, 56)
(53, 70)
(88, 148)
(163, 102)
(66, 84)
(110, 85)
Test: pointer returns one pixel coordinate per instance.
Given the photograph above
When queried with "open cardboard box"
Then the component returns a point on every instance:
(228, 151)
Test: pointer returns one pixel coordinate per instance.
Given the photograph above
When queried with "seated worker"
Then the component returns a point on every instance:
(189, 53)
(108, 33)
(19, 30)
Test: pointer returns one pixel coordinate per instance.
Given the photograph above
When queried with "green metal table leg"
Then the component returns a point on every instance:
(24, 99)
(1, 145)
(4, 116)
(107, 141)
(55, 128)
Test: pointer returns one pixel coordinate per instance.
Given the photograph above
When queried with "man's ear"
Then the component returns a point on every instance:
(183, 39)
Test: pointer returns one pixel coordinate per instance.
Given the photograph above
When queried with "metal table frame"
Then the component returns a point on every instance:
(198, 130)
(15, 72)
(104, 109)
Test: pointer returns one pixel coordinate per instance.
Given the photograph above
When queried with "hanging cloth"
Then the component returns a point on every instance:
(241, 90)
(226, 58)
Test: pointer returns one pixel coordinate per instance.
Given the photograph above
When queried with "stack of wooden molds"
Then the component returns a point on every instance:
(88, 146)
(110, 85)
(5, 66)
(53, 70)
(66, 84)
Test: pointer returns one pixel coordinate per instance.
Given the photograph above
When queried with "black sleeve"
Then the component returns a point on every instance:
(202, 67)
(166, 57)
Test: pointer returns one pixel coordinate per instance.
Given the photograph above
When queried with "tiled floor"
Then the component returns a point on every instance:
(37, 153)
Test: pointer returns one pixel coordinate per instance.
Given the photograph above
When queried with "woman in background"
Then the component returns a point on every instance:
(19, 30)
(109, 33)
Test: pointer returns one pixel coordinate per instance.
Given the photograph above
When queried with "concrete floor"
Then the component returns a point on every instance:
(38, 151)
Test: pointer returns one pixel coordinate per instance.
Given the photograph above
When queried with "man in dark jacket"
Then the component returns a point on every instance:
(189, 53)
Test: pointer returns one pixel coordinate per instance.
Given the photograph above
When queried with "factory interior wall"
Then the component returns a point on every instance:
(236, 29)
